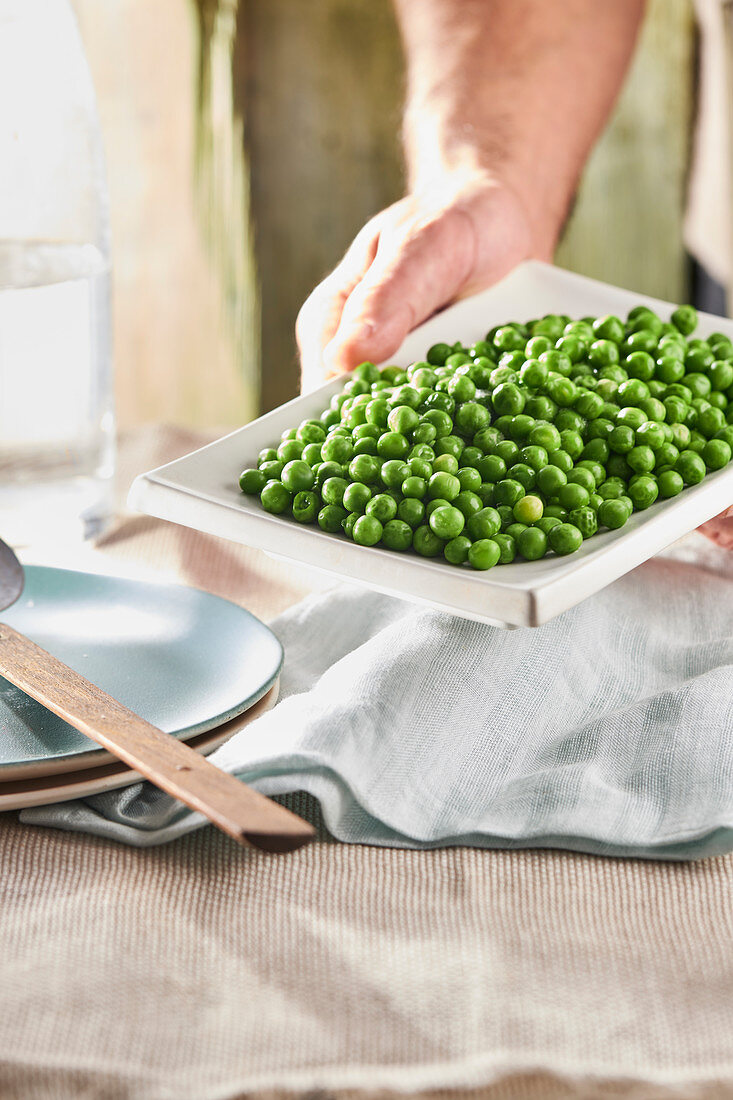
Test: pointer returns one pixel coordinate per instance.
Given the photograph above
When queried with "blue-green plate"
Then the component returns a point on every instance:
(183, 659)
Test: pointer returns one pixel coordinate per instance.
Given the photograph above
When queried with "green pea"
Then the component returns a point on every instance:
(573, 496)
(426, 543)
(365, 445)
(333, 490)
(275, 497)
(681, 436)
(394, 471)
(310, 431)
(325, 470)
(470, 479)
(721, 374)
(356, 497)
(670, 484)
(252, 481)
(666, 455)
(532, 543)
(691, 467)
(571, 442)
(595, 450)
(445, 464)
(640, 365)
(456, 550)
(533, 373)
(415, 487)
(468, 503)
(669, 369)
(698, 384)
(589, 405)
(585, 520)
(617, 466)
(425, 432)
(563, 391)
(609, 327)
(546, 523)
(556, 362)
(710, 421)
(444, 486)
(603, 353)
(438, 354)
(535, 457)
(524, 474)
(611, 489)
(508, 399)
(366, 371)
(581, 475)
(631, 417)
(367, 531)
(716, 454)
(470, 457)
(383, 507)
(447, 522)
(507, 548)
(331, 518)
(641, 459)
(613, 514)
(347, 525)
(508, 491)
(508, 451)
(685, 319)
(392, 445)
(561, 459)
(528, 510)
(540, 407)
(402, 419)
(449, 445)
(411, 512)
(643, 339)
(484, 554)
(550, 480)
(439, 420)
(305, 507)
(484, 524)
(565, 539)
(643, 492)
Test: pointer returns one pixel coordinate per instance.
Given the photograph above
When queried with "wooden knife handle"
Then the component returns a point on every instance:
(236, 809)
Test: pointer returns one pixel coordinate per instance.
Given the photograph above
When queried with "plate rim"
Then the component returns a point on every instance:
(88, 758)
(23, 794)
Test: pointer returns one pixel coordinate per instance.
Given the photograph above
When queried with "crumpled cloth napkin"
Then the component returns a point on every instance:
(608, 730)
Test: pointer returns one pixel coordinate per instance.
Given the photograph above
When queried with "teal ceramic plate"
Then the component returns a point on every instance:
(183, 659)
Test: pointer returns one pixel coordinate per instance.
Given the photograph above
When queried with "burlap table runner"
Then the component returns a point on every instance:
(203, 971)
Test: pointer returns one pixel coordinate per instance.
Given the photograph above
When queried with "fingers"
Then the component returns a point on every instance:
(320, 314)
(416, 270)
(720, 529)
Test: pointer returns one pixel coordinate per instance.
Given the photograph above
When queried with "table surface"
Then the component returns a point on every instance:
(200, 970)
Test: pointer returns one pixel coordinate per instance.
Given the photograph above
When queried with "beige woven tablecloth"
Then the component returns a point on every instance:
(203, 971)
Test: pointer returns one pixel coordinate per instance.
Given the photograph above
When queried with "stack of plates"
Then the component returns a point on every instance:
(194, 665)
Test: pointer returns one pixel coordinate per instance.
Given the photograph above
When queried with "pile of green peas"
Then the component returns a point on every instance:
(524, 443)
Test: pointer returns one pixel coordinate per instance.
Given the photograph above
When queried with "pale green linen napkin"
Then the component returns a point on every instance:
(608, 730)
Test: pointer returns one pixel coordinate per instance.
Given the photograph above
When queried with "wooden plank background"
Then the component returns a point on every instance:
(248, 142)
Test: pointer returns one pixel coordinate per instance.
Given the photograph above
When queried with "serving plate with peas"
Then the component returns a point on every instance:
(523, 449)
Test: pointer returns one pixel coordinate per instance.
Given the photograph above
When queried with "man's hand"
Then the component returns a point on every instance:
(504, 101)
(407, 262)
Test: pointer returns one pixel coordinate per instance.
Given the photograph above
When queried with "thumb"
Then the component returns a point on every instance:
(410, 278)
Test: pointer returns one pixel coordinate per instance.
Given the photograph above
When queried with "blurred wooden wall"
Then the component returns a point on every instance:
(247, 143)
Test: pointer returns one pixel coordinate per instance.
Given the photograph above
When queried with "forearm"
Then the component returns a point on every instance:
(516, 88)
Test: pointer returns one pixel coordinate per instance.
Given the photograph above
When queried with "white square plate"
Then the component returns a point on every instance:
(200, 490)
